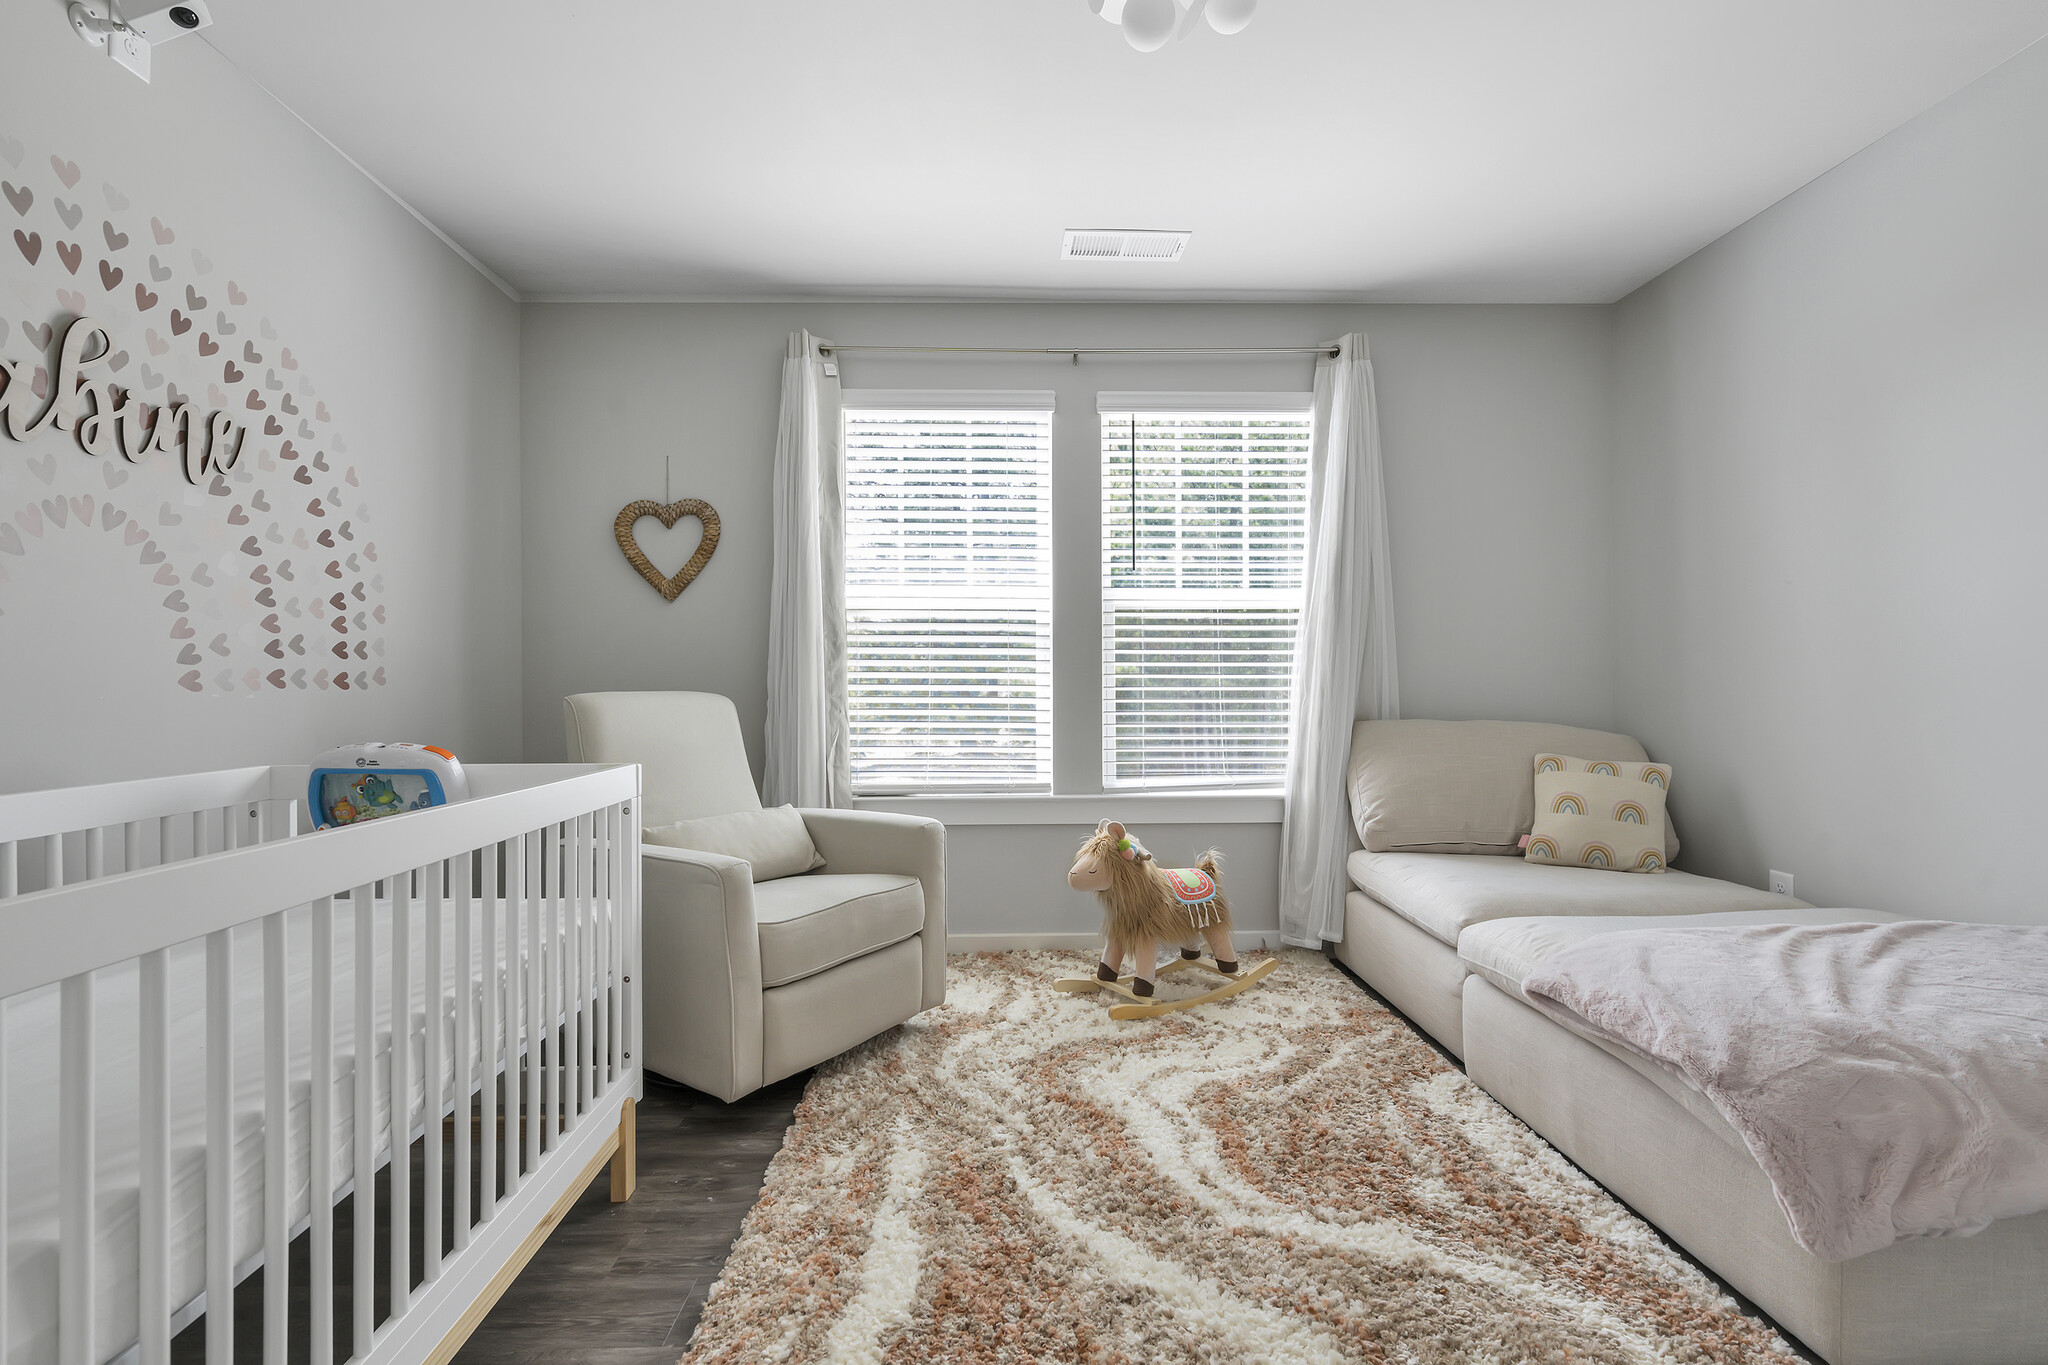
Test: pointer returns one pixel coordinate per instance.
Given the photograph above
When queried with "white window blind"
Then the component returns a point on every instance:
(1204, 529)
(949, 591)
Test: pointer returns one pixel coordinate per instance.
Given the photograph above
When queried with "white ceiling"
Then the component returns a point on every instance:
(1483, 150)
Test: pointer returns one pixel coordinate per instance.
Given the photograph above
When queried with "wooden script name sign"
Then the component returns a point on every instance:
(86, 405)
(672, 587)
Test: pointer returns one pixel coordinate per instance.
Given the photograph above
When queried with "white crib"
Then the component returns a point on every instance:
(168, 955)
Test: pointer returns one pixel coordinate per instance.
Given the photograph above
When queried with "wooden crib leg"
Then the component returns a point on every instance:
(625, 1161)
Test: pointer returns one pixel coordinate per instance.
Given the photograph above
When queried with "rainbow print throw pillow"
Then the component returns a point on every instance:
(1592, 813)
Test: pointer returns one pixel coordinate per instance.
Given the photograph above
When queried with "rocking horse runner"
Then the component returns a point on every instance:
(1146, 905)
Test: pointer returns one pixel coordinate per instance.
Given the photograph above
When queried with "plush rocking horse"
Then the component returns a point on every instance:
(1146, 905)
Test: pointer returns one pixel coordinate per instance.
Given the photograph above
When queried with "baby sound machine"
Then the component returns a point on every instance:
(359, 782)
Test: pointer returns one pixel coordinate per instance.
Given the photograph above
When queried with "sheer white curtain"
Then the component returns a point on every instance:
(807, 760)
(1344, 653)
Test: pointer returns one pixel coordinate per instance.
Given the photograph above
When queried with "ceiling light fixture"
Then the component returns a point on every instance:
(1149, 25)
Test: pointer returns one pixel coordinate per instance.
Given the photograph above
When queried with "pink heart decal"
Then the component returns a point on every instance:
(134, 535)
(67, 171)
(320, 413)
(275, 649)
(71, 255)
(164, 236)
(32, 522)
(150, 554)
(285, 359)
(56, 512)
(276, 677)
(236, 296)
(31, 244)
(207, 345)
(83, 508)
(176, 602)
(320, 680)
(270, 624)
(20, 198)
(250, 547)
(237, 517)
(219, 645)
(165, 576)
(116, 241)
(157, 345)
(110, 276)
(182, 630)
(110, 516)
(180, 324)
(201, 576)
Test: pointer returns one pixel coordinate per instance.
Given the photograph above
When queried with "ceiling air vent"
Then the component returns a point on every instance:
(1123, 244)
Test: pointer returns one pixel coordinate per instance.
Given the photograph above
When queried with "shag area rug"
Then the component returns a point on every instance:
(1289, 1175)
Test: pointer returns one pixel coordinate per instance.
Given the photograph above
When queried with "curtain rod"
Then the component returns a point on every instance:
(1326, 349)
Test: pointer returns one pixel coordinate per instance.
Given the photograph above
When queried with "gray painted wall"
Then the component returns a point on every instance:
(1493, 420)
(413, 352)
(1829, 443)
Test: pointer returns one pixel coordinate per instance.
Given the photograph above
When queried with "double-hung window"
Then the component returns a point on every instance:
(949, 590)
(1204, 533)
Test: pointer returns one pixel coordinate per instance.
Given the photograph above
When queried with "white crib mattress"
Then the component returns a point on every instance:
(32, 1070)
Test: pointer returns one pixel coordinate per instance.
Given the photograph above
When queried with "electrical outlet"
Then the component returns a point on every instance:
(1781, 883)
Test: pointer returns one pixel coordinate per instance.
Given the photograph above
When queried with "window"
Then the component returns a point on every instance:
(1204, 530)
(949, 591)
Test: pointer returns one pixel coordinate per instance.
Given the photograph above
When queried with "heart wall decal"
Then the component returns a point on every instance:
(670, 588)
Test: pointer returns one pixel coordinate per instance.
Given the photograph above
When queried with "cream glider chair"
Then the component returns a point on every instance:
(745, 982)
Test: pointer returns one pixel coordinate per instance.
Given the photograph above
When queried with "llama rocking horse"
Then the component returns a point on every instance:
(1146, 905)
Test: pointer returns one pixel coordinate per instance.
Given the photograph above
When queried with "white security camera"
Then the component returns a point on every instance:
(161, 23)
(129, 37)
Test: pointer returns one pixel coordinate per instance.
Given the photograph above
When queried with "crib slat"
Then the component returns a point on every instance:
(465, 1013)
(629, 958)
(6, 1308)
(320, 1135)
(552, 1072)
(10, 874)
(515, 887)
(487, 1040)
(95, 853)
(220, 1133)
(153, 1225)
(536, 889)
(53, 860)
(363, 1283)
(433, 1060)
(77, 1233)
(276, 1143)
(572, 974)
(607, 976)
(399, 1172)
(618, 934)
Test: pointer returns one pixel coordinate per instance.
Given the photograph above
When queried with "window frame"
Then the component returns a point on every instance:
(1187, 404)
(992, 401)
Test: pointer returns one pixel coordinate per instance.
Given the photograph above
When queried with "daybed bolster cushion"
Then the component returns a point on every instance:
(1445, 893)
(1462, 786)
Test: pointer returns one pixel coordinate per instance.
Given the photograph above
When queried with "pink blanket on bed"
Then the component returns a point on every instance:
(1891, 1079)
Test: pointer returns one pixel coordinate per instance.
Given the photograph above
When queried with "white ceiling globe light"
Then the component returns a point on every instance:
(1149, 24)
(1230, 16)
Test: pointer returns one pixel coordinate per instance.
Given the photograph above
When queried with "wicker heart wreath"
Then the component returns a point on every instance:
(672, 587)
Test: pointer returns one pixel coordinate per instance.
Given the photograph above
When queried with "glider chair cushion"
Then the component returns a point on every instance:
(747, 982)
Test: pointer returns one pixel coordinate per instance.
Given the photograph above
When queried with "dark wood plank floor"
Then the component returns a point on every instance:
(622, 1284)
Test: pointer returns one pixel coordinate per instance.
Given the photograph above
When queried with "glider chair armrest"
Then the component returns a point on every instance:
(701, 970)
(907, 845)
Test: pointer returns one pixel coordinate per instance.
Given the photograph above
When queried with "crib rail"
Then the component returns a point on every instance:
(496, 939)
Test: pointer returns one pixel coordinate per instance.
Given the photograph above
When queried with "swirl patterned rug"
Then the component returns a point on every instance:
(1291, 1175)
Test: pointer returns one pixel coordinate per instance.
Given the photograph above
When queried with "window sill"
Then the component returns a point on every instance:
(1133, 808)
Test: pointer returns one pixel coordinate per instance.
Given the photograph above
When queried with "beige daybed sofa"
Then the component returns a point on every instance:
(1450, 937)
(1441, 807)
